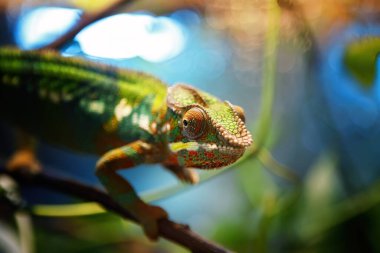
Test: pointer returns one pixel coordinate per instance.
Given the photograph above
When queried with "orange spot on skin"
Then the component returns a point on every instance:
(209, 155)
(171, 160)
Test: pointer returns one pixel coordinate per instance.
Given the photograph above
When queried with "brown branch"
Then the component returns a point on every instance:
(178, 233)
(85, 20)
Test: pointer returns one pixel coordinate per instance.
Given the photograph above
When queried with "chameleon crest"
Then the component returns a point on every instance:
(205, 132)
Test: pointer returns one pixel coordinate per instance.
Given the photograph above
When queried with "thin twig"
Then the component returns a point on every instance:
(303, 25)
(168, 229)
(85, 20)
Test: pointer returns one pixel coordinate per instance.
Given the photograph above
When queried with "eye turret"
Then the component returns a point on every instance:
(194, 123)
(240, 112)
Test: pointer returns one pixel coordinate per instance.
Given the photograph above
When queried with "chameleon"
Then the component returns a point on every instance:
(125, 117)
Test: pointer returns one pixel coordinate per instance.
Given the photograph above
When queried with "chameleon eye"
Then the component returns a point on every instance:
(240, 112)
(194, 123)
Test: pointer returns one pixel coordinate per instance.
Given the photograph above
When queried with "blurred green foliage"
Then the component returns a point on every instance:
(360, 58)
(308, 217)
(279, 212)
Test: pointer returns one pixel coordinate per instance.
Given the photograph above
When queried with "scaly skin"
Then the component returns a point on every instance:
(126, 117)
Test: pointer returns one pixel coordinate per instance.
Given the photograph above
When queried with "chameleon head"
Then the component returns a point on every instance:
(204, 131)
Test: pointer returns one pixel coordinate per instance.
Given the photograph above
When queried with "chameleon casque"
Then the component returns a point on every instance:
(126, 117)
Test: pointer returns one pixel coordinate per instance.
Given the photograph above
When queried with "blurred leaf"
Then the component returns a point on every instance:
(234, 234)
(65, 210)
(322, 188)
(321, 183)
(259, 186)
(360, 59)
(269, 74)
(267, 159)
(91, 5)
(9, 241)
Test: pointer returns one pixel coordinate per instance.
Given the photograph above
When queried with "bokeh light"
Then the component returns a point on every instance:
(42, 25)
(120, 36)
(152, 38)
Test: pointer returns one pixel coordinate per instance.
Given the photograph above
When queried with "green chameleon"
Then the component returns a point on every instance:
(126, 117)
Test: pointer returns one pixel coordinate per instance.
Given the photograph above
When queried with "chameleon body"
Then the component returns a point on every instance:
(126, 117)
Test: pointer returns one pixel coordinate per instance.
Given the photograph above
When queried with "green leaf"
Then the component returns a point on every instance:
(259, 186)
(360, 59)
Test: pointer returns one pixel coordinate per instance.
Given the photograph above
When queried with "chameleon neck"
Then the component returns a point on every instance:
(76, 103)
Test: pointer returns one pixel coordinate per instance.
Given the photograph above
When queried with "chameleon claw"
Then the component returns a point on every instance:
(189, 176)
(186, 175)
(149, 216)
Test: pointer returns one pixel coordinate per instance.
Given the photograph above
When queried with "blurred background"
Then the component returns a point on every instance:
(304, 71)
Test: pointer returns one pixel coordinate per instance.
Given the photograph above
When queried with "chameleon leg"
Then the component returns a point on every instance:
(24, 157)
(184, 174)
(119, 188)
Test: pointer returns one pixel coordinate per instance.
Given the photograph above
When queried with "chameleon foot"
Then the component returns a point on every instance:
(186, 175)
(149, 216)
(24, 159)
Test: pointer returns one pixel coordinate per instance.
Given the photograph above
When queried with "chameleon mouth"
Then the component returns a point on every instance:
(209, 147)
(222, 149)
(206, 155)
